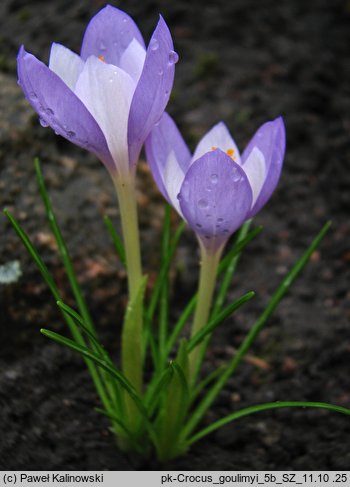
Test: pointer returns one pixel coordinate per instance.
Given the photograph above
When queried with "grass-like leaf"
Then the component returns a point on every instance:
(30, 247)
(219, 318)
(63, 250)
(232, 262)
(265, 407)
(206, 402)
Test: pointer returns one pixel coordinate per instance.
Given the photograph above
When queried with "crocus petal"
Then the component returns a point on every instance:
(270, 140)
(108, 34)
(107, 92)
(218, 137)
(255, 169)
(59, 107)
(173, 178)
(153, 90)
(164, 140)
(133, 59)
(215, 198)
(66, 64)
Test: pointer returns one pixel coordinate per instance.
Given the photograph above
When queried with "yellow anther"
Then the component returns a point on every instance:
(213, 148)
(231, 153)
(102, 58)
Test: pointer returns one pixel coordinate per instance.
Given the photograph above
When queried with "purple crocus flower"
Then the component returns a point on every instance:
(216, 189)
(107, 99)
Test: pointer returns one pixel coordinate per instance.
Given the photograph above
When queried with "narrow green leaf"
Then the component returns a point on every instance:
(118, 244)
(157, 388)
(185, 315)
(230, 269)
(63, 250)
(116, 419)
(238, 247)
(254, 331)
(206, 381)
(192, 303)
(219, 318)
(265, 407)
(97, 380)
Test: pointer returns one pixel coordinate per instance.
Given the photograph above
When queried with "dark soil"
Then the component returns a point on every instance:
(243, 61)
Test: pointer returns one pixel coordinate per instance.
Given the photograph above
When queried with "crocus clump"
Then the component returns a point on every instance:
(108, 98)
(216, 189)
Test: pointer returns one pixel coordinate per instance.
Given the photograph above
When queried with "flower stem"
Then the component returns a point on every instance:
(131, 338)
(207, 279)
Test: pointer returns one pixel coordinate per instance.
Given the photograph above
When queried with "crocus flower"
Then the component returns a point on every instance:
(107, 99)
(216, 189)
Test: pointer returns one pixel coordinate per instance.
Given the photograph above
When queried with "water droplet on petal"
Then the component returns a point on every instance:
(198, 225)
(220, 220)
(208, 215)
(214, 178)
(125, 19)
(154, 44)
(49, 112)
(43, 123)
(32, 95)
(178, 196)
(160, 72)
(173, 57)
(18, 82)
(203, 203)
(225, 230)
(209, 189)
(70, 134)
(101, 45)
(57, 133)
(236, 176)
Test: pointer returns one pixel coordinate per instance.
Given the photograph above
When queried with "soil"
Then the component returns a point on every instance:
(242, 61)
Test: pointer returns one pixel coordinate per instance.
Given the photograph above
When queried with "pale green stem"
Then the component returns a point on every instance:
(207, 279)
(132, 332)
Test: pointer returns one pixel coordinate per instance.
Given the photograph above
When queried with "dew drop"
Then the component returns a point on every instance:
(125, 20)
(214, 178)
(220, 220)
(57, 133)
(49, 112)
(43, 123)
(198, 225)
(101, 45)
(70, 134)
(173, 57)
(225, 230)
(203, 203)
(160, 72)
(208, 215)
(18, 82)
(236, 176)
(32, 95)
(154, 44)
(209, 189)
(178, 196)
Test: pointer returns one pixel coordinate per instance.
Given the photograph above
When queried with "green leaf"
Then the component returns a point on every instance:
(219, 318)
(115, 419)
(118, 244)
(239, 245)
(100, 386)
(253, 333)
(231, 266)
(185, 315)
(63, 250)
(189, 309)
(265, 407)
